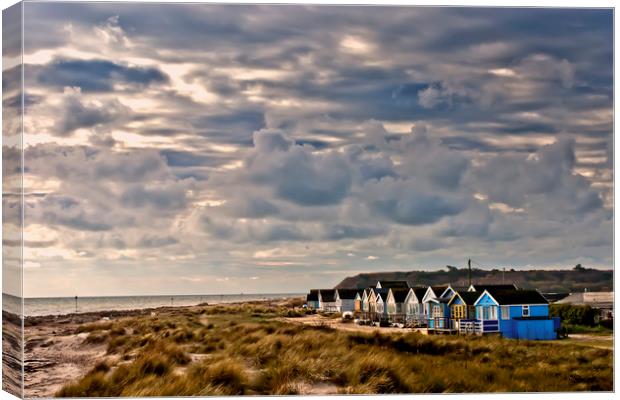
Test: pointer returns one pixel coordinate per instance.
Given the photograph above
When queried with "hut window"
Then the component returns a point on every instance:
(525, 311)
(505, 312)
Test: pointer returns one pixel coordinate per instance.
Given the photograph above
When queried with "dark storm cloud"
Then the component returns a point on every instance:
(176, 158)
(404, 204)
(235, 127)
(154, 242)
(11, 79)
(253, 207)
(161, 199)
(546, 183)
(317, 144)
(79, 222)
(94, 75)
(77, 115)
(12, 31)
(296, 174)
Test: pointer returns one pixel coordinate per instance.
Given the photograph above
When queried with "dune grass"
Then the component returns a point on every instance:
(234, 350)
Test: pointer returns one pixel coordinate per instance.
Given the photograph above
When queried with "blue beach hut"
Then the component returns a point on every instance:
(515, 314)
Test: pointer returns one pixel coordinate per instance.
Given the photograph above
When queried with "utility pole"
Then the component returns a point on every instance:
(469, 271)
(76, 304)
(503, 275)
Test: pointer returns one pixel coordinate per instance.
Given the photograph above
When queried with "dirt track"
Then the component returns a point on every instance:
(349, 326)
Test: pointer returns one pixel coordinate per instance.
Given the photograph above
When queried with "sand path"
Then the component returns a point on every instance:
(55, 355)
(336, 323)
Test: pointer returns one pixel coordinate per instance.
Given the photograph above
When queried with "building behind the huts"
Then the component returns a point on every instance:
(603, 302)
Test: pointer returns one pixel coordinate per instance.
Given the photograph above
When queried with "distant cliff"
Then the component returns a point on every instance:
(572, 280)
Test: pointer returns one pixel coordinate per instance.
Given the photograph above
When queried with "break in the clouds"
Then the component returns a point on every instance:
(193, 148)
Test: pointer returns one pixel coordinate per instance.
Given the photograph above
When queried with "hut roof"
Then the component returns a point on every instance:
(509, 297)
(328, 295)
(400, 294)
(438, 290)
(382, 293)
(469, 298)
(348, 294)
(419, 292)
(313, 295)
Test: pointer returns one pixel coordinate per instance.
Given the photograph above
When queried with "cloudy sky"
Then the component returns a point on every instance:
(226, 149)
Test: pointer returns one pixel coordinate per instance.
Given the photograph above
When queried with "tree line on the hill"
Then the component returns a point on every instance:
(576, 279)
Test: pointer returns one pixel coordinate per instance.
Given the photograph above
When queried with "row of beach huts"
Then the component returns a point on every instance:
(477, 309)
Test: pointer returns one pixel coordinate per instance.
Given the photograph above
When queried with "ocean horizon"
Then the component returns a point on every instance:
(39, 306)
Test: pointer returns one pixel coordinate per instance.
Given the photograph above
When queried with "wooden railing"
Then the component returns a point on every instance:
(477, 326)
(469, 327)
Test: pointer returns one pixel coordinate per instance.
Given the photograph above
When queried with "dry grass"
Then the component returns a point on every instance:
(247, 350)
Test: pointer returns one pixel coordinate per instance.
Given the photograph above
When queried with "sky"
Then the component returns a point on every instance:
(199, 149)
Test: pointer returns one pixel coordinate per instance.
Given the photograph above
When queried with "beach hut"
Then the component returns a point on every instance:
(516, 314)
(462, 309)
(345, 299)
(432, 292)
(414, 308)
(381, 311)
(358, 303)
(312, 299)
(365, 314)
(396, 299)
(372, 304)
(439, 315)
(327, 299)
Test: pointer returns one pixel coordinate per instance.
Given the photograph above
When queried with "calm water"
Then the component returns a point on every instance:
(66, 305)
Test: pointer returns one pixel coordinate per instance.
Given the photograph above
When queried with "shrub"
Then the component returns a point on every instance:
(92, 385)
(96, 338)
(574, 315)
(96, 326)
(225, 377)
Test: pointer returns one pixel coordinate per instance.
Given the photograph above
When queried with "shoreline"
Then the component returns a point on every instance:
(128, 312)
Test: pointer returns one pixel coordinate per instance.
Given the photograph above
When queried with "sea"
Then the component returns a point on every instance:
(37, 306)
